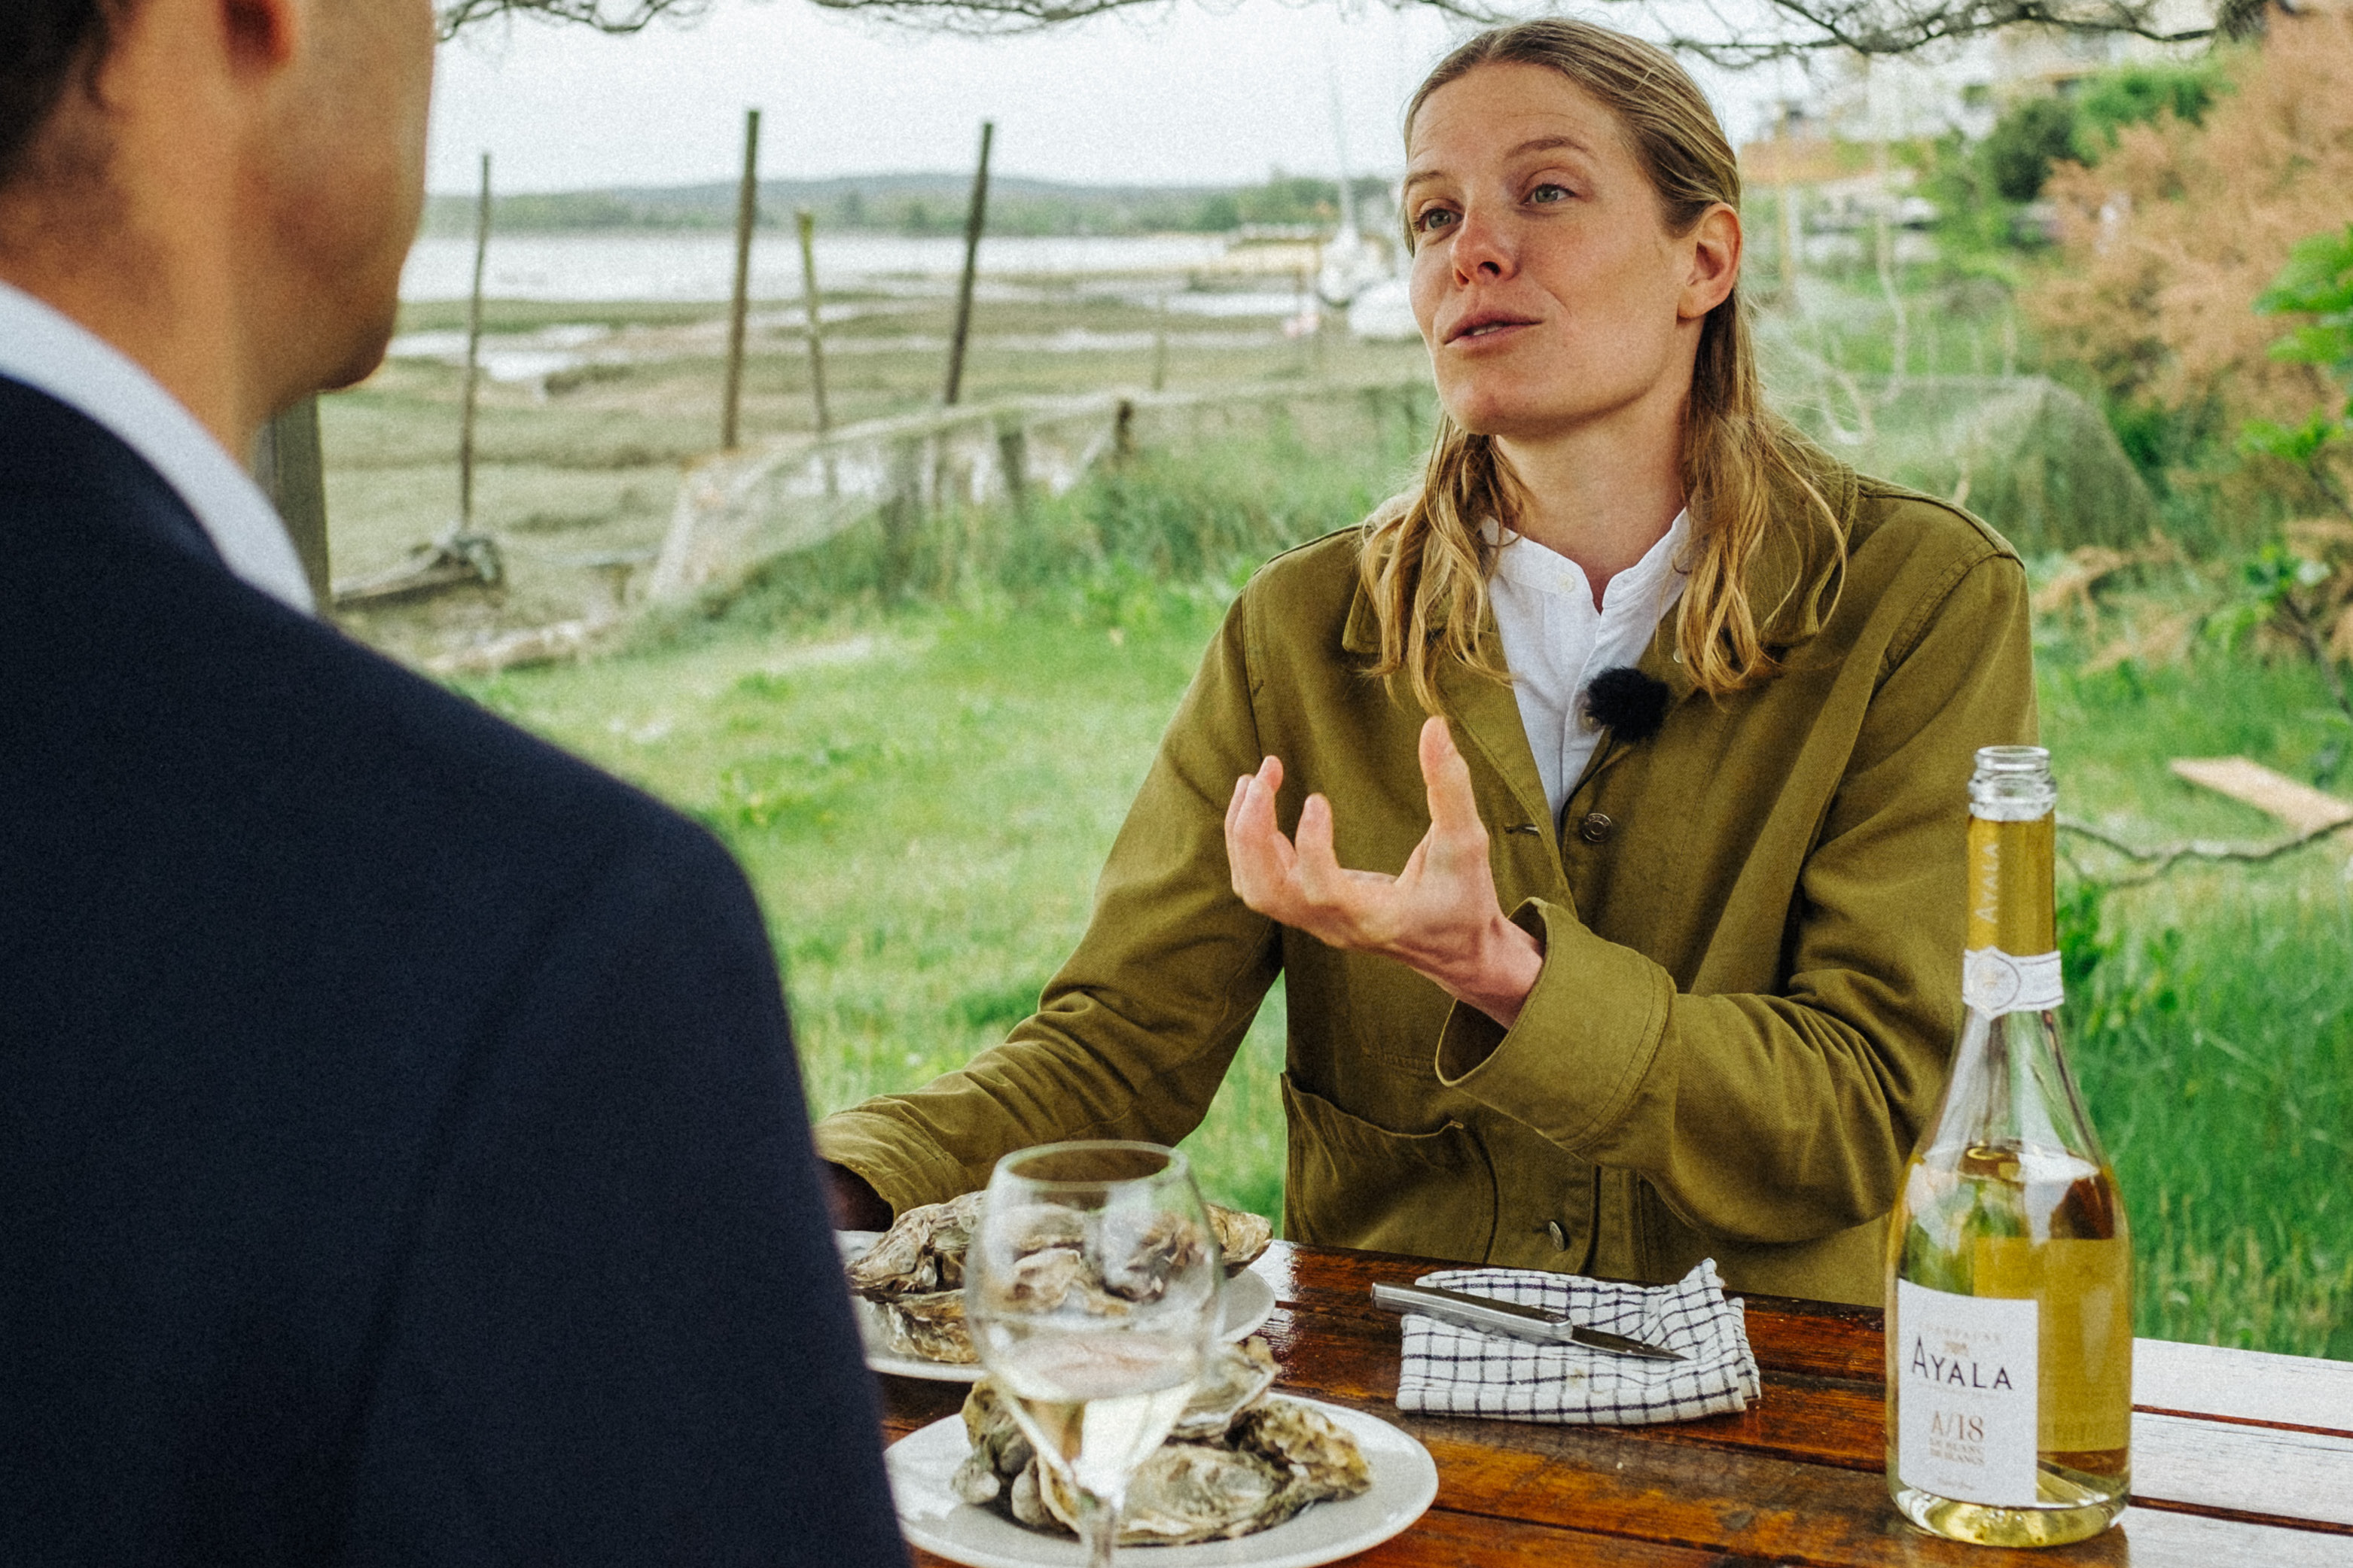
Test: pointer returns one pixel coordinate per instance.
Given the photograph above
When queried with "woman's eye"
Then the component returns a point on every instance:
(1430, 219)
(1547, 193)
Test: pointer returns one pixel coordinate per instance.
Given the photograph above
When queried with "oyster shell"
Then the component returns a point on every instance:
(1242, 1237)
(1230, 1383)
(1238, 1462)
(1314, 1450)
(923, 1252)
(907, 1278)
(928, 1327)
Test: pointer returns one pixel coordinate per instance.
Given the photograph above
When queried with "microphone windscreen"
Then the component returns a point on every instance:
(1630, 704)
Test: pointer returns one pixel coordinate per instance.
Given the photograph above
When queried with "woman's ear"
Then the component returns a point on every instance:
(1716, 262)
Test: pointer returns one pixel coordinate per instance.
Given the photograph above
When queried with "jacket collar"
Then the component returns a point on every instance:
(1793, 582)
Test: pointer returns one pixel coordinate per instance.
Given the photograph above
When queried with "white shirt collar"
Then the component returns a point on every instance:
(50, 352)
(1533, 566)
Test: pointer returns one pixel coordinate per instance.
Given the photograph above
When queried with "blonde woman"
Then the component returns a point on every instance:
(1599, 803)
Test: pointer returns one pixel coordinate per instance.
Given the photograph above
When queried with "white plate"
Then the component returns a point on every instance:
(1405, 1479)
(1248, 1302)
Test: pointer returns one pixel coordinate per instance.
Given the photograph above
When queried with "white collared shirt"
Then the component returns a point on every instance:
(50, 352)
(1556, 642)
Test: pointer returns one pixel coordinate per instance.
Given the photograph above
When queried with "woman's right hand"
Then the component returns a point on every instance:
(1440, 916)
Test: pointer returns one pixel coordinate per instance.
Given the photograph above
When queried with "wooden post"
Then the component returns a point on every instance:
(1160, 347)
(287, 465)
(747, 211)
(972, 226)
(806, 220)
(473, 359)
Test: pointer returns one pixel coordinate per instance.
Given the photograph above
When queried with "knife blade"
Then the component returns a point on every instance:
(1492, 1316)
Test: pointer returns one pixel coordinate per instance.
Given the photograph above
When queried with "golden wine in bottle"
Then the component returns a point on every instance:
(2009, 1268)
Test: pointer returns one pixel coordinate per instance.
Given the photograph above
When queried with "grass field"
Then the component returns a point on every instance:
(922, 797)
(922, 791)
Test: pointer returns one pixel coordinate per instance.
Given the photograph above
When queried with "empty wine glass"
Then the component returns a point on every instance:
(1091, 1292)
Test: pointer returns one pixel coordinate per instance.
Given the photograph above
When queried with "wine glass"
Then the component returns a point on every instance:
(1091, 1292)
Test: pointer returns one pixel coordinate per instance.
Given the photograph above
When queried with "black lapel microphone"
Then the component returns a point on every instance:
(1628, 703)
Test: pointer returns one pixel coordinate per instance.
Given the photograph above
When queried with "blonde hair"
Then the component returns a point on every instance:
(1426, 567)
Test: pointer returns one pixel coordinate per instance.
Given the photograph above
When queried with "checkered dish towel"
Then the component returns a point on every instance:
(1451, 1371)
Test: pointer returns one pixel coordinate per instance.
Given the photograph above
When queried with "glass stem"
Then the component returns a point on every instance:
(1098, 1527)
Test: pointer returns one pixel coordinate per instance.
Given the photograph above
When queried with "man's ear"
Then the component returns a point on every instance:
(1716, 262)
(263, 35)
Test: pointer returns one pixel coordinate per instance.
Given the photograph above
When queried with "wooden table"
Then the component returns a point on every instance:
(2238, 1456)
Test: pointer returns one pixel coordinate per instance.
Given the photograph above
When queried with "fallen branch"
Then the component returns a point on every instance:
(2163, 858)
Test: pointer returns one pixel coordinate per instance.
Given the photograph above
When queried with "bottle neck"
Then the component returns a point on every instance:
(2010, 886)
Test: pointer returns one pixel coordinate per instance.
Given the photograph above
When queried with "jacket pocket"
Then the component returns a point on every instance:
(1352, 1184)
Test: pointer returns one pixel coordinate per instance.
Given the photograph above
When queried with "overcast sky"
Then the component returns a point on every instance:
(1191, 94)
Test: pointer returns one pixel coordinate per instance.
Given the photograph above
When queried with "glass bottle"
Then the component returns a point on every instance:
(2009, 1266)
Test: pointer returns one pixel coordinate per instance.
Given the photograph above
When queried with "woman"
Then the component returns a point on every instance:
(1670, 965)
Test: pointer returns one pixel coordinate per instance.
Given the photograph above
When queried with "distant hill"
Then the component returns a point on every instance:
(924, 204)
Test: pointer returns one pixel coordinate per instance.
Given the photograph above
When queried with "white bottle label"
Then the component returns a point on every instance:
(1995, 983)
(1966, 1406)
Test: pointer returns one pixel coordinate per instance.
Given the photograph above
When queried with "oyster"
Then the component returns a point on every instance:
(911, 1280)
(929, 1327)
(1238, 1462)
(1242, 1237)
(923, 1252)
(1314, 1451)
(1230, 1383)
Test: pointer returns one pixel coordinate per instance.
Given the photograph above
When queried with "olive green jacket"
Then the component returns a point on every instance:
(1752, 924)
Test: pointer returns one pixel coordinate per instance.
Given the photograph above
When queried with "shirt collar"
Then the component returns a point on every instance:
(1532, 565)
(49, 352)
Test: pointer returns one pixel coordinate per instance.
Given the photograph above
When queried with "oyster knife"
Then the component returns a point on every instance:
(1489, 1315)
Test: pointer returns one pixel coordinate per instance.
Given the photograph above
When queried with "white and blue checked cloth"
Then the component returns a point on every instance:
(1451, 1371)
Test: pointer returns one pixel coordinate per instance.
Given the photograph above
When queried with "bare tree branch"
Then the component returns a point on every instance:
(1797, 28)
(605, 16)
(2156, 860)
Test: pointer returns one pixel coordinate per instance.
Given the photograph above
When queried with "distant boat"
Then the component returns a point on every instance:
(1383, 311)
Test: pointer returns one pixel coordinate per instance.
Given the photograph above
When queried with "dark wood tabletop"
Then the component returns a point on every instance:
(2238, 1456)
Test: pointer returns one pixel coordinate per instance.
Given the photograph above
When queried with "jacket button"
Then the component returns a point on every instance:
(1596, 827)
(1559, 1236)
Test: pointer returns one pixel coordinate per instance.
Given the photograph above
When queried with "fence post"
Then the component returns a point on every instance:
(747, 211)
(902, 514)
(973, 221)
(473, 359)
(807, 222)
(288, 466)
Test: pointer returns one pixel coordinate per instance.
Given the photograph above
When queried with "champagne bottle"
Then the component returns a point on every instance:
(2009, 1268)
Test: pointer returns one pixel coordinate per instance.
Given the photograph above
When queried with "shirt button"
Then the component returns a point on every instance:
(1559, 1236)
(1596, 827)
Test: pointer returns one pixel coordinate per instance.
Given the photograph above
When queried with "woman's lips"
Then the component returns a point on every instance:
(1487, 330)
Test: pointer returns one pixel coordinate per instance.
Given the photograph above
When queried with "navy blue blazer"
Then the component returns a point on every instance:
(402, 1154)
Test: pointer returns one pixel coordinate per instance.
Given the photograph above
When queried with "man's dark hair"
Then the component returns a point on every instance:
(43, 45)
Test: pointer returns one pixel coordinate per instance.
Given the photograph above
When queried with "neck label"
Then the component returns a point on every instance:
(1994, 983)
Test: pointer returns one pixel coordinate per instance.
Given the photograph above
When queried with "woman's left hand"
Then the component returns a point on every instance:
(1440, 916)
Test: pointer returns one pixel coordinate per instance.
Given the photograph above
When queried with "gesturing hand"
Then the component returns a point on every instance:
(1440, 916)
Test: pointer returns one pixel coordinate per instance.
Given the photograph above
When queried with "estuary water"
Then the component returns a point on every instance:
(700, 266)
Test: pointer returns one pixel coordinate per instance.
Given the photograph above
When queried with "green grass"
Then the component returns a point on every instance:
(922, 797)
(922, 804)
(921, 771)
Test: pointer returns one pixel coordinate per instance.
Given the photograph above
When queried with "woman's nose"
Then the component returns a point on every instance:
(1483, 248)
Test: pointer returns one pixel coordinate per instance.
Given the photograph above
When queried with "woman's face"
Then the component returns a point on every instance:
(1545, 281)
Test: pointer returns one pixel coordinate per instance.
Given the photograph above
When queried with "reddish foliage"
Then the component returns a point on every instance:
(2167, 243)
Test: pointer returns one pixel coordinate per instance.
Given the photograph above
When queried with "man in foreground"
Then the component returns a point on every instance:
(401, 1155)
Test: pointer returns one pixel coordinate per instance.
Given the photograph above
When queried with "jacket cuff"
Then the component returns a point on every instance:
(1570, 1068)
(876, 1147)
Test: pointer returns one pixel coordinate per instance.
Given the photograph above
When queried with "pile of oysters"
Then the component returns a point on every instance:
(910, 1283)
(1238, 1461)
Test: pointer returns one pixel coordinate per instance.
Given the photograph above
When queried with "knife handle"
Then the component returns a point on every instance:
(1450, 1307)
